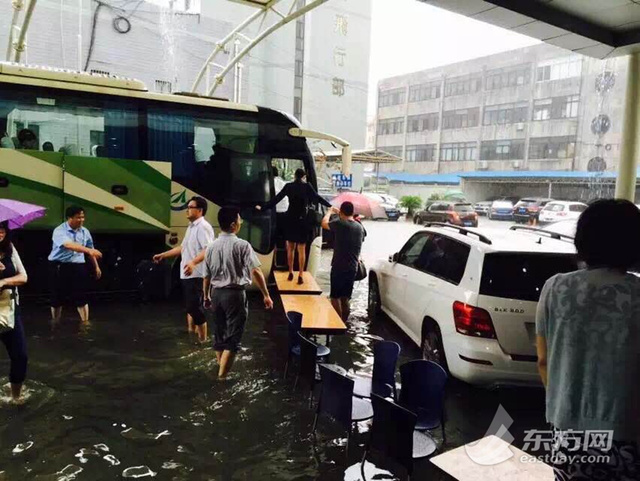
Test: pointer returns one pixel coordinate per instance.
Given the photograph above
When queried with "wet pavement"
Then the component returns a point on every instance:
(135, 396)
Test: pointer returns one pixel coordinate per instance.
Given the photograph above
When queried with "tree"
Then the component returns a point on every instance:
(411, 203)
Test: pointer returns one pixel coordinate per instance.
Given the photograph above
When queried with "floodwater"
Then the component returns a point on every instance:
(133, 396)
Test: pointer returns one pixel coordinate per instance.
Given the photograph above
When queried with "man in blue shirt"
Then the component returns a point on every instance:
(69, 277)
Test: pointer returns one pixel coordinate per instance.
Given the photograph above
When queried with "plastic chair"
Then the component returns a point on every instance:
(338, 402)
(422, 392)
(393, 435)
(383, 380)
(295, 324)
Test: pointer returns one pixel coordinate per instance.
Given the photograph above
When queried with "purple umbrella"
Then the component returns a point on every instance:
(19, 213)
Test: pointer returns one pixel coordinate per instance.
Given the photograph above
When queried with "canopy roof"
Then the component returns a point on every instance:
(367, 156)
(597, 28)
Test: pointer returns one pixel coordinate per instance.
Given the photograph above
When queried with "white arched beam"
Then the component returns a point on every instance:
(293, 14)
(312, 134)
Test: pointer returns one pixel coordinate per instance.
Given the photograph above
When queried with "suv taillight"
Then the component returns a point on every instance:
(473, 321)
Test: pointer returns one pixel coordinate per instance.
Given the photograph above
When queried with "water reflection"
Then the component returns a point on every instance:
(139, 394)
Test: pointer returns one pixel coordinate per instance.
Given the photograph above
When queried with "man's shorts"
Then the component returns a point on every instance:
(231, 311)
(192, 291)
(342, 283)
(68, 283)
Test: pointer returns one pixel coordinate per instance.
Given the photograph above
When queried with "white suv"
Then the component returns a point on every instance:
(468, 297)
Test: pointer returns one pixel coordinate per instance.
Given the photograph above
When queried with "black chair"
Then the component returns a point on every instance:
(338, 402)
(393, 435)
(308, 366)
(422, 392)
(295, 324)
(383, 380)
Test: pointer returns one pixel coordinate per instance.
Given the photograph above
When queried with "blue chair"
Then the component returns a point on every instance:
(338, 402)
(383, 380)
(393, 434)
(295, 324)
(422, 392)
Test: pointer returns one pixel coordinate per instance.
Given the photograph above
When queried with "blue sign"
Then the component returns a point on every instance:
(341, 180)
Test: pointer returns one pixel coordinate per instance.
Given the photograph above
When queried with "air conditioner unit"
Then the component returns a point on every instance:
(520, 126)
(483, 165)
(516, 164)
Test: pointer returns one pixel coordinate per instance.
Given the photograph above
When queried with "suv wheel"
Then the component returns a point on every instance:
(374, 304)
(432, 347)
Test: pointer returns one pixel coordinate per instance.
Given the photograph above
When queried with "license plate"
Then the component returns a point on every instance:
(469, 224)
(523, 211)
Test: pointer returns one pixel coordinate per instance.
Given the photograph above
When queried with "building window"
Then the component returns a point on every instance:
(508, 77)
(163, 86)
(502, 150)
(542, 148)
(558, 69)
(342, 25)
(391, 126)
(460, 119)
(393, 150)
(297, 107)
(426, 91)
(420, 123)
(391, 97)
(505, 114)
(338, 87)
(462, 85)
(421, 153)
(565, 107)
(458, 151)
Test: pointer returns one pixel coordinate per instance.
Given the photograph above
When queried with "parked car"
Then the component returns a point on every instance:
(388, 203)
(468, 297)
(529, 208)
(501, 209)
(482, 208)
(457, 213)
(559, 210)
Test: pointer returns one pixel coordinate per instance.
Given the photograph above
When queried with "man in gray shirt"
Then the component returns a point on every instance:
(348, 237)
(230, 263)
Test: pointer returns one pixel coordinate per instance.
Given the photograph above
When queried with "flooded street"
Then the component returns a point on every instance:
(134, 396)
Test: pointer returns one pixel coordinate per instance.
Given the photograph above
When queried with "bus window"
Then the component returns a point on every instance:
(55, 121)
(287, 168)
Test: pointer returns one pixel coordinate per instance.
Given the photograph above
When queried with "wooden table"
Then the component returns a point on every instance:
(491, 459)
(310, 285)
(318, 315)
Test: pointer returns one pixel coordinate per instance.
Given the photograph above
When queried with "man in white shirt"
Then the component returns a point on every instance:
(279, 183)
(198, 236)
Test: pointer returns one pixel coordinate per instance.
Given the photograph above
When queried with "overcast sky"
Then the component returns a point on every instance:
(408, 35)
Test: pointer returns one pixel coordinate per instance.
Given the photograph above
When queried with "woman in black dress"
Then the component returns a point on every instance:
(297, 228)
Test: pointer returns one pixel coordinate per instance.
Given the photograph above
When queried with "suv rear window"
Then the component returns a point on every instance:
(555, 207)
(463, 208)
(521, 275)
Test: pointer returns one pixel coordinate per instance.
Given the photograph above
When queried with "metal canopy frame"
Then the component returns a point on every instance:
(295, 11)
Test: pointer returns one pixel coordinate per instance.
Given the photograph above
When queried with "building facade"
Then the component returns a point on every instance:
(315, 68)
(538, 108)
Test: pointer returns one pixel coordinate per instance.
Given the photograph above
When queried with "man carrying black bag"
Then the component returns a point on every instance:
(348, 237)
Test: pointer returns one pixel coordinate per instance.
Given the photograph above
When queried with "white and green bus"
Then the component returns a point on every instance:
(133, 159)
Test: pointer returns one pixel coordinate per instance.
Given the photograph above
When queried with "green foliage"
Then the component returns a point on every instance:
(411, 203)
(436, 196)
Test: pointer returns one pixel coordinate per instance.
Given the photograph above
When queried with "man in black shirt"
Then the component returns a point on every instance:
(348, 237)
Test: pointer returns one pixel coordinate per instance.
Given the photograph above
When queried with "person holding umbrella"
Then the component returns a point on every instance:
(13, 214)
(297, 227)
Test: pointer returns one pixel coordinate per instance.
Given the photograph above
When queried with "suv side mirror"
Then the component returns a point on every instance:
(394, 258)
